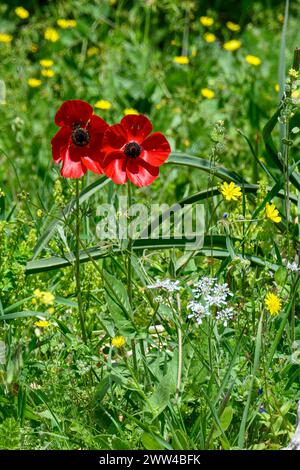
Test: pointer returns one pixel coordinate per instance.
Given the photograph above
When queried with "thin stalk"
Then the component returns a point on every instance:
(77, 266)
(129, 278)
(179, 335)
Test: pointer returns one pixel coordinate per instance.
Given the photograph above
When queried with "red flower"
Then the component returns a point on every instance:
(78, 143)
(130, 152)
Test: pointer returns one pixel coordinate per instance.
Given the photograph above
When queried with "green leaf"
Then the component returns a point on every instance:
(150, 442)
(28, 313)
(67, 211)
(117, 293)
(225, 421)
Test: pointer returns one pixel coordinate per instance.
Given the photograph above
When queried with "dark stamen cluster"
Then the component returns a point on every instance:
(132, 150)
(80, 136)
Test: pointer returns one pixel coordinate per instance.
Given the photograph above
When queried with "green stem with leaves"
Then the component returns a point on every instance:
(77, 266)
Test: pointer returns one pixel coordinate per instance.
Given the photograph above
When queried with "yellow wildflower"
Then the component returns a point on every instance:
(22, 13)
(296, 94)
(33, 301)
(273, 303)
(230, 191)
(64, 24)
(92, 51)
(51, 310)
(103, 104)
(46, 63)
(253, 60)
(130, 111)
(209, 37)
(277, 87)
(39, 213)
(207, 93)
(233, 26)
(272, 213)
(2, 193)
(293, 73)
(181, 59)
(42, 323)
(47, 298)
(34, 82)
(232, 45)
(48, 73)
(51, 35)
(118, 341)
(206, 20)
(5, 37)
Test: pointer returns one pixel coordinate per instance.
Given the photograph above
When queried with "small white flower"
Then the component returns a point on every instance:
(166, 284)
(293, 267)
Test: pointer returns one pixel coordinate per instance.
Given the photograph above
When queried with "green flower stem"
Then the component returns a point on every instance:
(129, 277)
(179, 336)
(77, 266)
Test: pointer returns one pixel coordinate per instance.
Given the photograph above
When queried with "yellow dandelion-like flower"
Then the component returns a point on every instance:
(181, 59)
(6, 38)
(46, 63)
(92, 51)
(273, 303)
(230, 191)
(207, 93)
(272, 213)
(39, 213)
(48, 73)
(22, 13)
(65, 24)
(33, 301)
(233, 26)
(42, 323)
(130, 111)
(51, 35)
(232, 45)
(277, 87)
(51, 310)
(34, 82)
(118, 341)
(209, 37)
(206, 20)
(103, 104)
(253, 60)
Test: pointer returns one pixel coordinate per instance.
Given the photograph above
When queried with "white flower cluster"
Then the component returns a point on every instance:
(166, 284)
(293, 267)
(208, 293)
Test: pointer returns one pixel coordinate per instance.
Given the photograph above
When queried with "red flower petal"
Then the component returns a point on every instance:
(60, 141)
(114, 138)
(108, 157)
(93, 164)
(73, 111)
(116, 170)
(97, 125)
(140, 172)
(156, 149)
(72, 168)
(137, 127)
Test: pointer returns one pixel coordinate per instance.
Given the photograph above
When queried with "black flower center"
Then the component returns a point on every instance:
(80, 136)
(132, 150)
